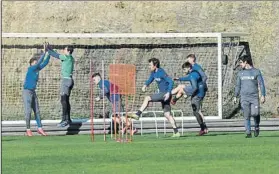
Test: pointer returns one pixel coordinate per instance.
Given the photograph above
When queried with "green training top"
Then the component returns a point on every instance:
(67, 65)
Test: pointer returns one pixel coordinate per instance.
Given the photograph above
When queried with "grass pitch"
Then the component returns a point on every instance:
(215, 153)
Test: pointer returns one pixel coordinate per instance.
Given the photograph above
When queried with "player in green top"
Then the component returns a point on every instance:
(67, 82)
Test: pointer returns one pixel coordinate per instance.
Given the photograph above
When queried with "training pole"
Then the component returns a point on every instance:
(128, 124)
(104, 117)
(114, 113)
(91, 103)
(122, 77)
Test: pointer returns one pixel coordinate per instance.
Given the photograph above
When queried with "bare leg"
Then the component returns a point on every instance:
(172, 121)
(115, 124)
(178, 88)
(144, 105)
(117, 120)
(180, 93)
(128, 125)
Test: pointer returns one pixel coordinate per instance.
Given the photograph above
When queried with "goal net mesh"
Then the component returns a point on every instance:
(171, 52)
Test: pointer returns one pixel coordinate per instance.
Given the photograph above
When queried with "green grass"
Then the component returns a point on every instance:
(223, 153)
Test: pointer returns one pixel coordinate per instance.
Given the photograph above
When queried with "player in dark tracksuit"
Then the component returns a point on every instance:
(165, 85)
(30, 98)
(196, 91)
(111, 92)
(191, 58)
(198, 69)
(247, 84)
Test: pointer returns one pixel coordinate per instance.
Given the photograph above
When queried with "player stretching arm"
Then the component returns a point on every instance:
(67, 83)
(30, 98)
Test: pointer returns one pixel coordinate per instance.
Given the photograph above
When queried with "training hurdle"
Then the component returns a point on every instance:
(156, 119)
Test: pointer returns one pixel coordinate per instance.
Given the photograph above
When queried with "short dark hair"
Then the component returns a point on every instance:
(246, 58)
(156, 62)
(192, 56)
(186, 65)
(70, 49)
(96, 74)
(33, 59)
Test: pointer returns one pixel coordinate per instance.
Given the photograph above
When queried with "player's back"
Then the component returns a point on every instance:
(200, 87)
(197, 77)
(196, 67)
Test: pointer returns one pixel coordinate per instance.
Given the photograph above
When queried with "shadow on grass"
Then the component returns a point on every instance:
(8, 140)
(269, 136)
(74, 128)
(207, 135)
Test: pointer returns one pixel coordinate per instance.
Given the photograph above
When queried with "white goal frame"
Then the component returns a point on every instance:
(219, 37)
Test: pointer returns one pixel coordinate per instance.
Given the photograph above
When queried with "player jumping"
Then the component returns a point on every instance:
(191, 58)
(165, 85)
(67, 82)
(196, 91)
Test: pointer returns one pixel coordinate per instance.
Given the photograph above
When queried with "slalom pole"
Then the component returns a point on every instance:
(104, 118)
(91, 103)
(114, 112)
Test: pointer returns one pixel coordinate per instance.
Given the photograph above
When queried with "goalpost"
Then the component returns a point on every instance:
(130, 48)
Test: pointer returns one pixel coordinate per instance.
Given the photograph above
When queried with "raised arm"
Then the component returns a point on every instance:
(37, 65)
(238, 86)
(53, 53)
(261, 83)
(45, 62)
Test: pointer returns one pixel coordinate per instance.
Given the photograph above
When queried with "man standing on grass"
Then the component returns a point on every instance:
(67, 82)
(196, 91)
(248, 81)
(165, 85)
(114, 99)
(30, 98)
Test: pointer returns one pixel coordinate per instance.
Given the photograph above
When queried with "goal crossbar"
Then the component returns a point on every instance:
(118, 35)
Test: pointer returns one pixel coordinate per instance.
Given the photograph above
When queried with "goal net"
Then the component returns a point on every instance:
(170, 48)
